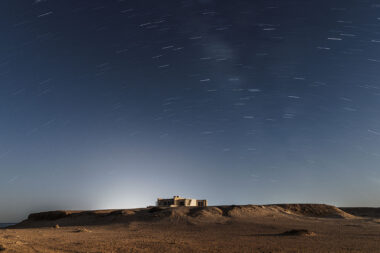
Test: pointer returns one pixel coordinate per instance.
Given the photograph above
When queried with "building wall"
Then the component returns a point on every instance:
(192, 202)
(165, 202)
(178, 201)
(202, 202)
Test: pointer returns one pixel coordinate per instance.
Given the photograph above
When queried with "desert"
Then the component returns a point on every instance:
(261, 116)
(235, 228)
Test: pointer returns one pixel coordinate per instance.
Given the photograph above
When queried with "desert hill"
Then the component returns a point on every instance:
(190, 215)
(370, 212)
(230, 228)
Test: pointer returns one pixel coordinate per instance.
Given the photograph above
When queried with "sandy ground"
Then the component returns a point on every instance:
(163, 231)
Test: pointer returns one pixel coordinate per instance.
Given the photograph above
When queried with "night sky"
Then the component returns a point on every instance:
(113, 103)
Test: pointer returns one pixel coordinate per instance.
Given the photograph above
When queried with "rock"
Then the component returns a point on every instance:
(155, 209)
(298, 232)
(52, 215)
(123, 212)
(80, 230)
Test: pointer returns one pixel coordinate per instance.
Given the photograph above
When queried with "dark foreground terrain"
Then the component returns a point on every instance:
(270, 228)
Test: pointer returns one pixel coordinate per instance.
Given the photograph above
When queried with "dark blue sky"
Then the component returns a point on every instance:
(111, 104)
